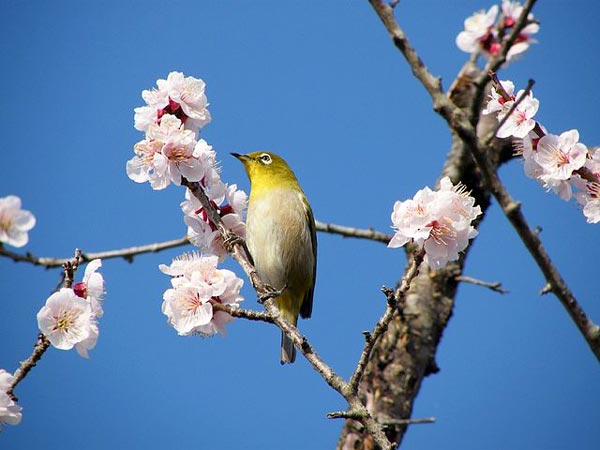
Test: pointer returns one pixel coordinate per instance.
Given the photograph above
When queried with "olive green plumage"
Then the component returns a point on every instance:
(281, 236)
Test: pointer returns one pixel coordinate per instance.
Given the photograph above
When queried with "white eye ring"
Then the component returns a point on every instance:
(265, 158)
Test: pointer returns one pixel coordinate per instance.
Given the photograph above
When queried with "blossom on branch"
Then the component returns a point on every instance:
(70, 316)
(197, 284)
(559, 156)
(66, 319)
(168, 153)
(520, 121)
(180, 96)
(438, 221)
(229, 202)
(10, 411)
(487, 31)
(14, 221)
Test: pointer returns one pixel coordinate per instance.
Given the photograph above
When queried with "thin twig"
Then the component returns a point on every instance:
(424, 420)
(359, 233)
(495, 286)
(39, 348)
(125, 253)
(395, 299)
(258, 316)
(129, 253)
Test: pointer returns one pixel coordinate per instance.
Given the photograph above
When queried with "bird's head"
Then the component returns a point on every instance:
(267, 170)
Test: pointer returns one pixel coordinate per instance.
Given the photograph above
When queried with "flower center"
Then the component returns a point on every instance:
(441, 231)
(64, 322)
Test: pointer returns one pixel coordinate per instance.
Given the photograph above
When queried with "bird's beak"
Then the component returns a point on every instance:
(242, 158)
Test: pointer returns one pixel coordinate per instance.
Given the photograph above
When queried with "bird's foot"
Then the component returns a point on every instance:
(231, 240)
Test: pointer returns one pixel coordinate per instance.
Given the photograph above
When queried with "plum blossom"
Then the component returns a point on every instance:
(478, 30)
(197, 284)
(487, 31)
(438, 221)
(10, 411)
(520, 122)
(92, 287)
(178, 95)
(511, 11)
(14, 221)
(560, 155)
(496, 100)
(66, 319)
(201, 231)
(168, 153)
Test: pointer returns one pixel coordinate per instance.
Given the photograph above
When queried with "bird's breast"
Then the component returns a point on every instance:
(279, 238)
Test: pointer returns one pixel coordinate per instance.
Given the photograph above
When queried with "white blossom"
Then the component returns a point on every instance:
(66, 319)
(10, 411)
(14, 221)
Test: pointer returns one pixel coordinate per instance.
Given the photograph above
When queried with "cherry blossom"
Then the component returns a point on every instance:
(14, 221)
(66, 319)
(439, 221)
(10, 411)
(197, 284)
(179, 96)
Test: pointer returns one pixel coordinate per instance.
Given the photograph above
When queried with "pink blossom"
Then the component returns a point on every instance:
(439, 221)
(478, 29)
(197, 284)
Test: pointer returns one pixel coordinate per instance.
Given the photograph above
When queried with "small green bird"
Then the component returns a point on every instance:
(282, 238)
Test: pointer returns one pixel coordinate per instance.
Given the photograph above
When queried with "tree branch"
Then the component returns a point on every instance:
(129, 253)
(495, 286)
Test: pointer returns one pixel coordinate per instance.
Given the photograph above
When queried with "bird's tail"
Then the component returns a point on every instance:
(288, 351)
(289, 306)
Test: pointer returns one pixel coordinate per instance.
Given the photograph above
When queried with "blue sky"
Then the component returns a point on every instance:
(320, 84)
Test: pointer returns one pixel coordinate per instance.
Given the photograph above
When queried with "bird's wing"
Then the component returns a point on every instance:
(307, 303)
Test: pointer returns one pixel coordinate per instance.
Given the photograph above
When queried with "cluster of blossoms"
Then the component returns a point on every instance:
(14, 221)
(10, 411)
(174, 114)
(197, 285)
(70, 316)
(438, 221)
(485, 31)
(559, 162)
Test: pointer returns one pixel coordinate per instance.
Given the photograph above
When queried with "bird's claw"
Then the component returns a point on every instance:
(230, 241)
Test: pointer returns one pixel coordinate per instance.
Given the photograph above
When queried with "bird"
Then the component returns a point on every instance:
(281, 237)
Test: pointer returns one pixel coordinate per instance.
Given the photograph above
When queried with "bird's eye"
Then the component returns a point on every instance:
(265, 158)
